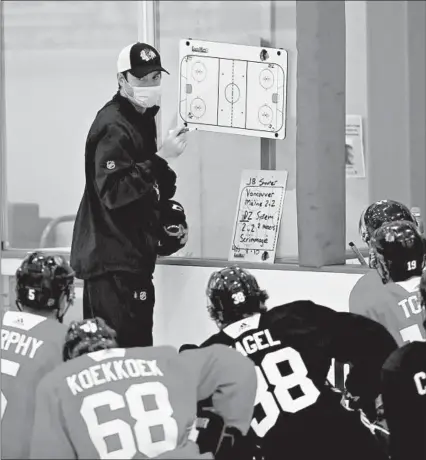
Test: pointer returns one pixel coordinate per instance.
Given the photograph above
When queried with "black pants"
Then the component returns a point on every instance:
(126, 302)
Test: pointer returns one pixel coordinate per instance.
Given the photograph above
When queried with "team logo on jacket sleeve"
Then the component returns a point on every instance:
(110, 164)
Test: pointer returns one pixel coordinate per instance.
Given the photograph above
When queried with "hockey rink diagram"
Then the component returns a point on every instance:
(232, 94)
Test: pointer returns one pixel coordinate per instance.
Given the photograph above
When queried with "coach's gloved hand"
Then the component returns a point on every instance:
(210, 427)
(226, 443)
(355, 403)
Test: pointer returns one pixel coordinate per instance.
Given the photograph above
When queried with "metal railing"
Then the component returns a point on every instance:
(52, 225)
(71, 218)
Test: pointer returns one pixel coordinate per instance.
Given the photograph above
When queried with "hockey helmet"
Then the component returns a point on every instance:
(399, 249)
(42, 281)
(234, 293)
(87, 336)
(173, 228)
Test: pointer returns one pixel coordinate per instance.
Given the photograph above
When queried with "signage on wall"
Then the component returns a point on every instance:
(354, 148)
(233, 89)
(258, 217)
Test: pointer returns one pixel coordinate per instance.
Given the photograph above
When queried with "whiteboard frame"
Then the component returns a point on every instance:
(221, 50)
(256, 254)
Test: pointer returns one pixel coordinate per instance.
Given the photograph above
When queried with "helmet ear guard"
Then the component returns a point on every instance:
(363, 229)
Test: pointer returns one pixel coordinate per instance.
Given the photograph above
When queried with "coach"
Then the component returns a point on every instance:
(115, 238)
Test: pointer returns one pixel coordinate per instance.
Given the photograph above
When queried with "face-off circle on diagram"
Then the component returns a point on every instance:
(199, 71)
(198, 107)
(266, 79)
(265, 115)
(232, 93)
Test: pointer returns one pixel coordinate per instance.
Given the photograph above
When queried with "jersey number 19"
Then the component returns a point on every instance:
(137, 438)
(280, 399)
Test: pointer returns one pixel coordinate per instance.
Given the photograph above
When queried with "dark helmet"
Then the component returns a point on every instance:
(87, 336)
(234, 293)
(42, 281)
(382, 212)
(400, 251)
(173, 228)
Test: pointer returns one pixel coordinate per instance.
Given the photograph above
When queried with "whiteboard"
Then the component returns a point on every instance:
(258, 217)
(233, 89)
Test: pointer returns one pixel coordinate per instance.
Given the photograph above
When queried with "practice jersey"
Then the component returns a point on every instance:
(292, 347)
(365, 288)
(404, 400)
(395, 305)
(139, 402)
(31, 346)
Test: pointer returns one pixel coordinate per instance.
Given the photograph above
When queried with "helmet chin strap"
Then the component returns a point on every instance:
(372, 258)
(382, 270)
(68, 299)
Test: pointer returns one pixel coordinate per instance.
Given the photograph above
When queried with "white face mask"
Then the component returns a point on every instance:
(147, 96)
(143, 96)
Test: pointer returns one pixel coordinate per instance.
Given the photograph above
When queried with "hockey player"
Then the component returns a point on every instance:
(31, 344)
(108, 402)
(399, 251)
(297, 414)
(404, 397)
(377, 214)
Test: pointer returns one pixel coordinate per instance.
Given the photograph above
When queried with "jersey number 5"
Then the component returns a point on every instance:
(10, 368)
(137, 438)
(280, 399)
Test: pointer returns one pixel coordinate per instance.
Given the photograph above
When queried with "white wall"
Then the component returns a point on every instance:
(181, 299)
(49, 114)
(356, 104)
(56, 81)
(53, 95)
(181, 314)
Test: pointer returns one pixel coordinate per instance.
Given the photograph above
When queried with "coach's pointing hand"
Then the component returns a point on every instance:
(174, 144)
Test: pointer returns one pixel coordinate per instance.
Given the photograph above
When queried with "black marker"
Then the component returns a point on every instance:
(183, 130)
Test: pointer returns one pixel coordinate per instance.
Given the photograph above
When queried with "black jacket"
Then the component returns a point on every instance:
(116, 226)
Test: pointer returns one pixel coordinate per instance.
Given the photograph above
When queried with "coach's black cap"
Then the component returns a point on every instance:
(140, 59)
